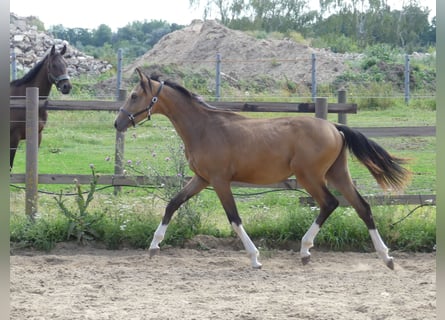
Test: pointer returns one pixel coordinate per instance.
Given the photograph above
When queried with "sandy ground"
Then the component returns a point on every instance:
(74, 282)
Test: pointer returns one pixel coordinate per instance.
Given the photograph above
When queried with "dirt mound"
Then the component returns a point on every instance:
(244, 57)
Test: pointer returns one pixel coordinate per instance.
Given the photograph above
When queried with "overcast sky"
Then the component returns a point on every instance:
(116, 14)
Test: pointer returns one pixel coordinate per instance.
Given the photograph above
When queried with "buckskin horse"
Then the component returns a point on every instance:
(223, 146)
(50, 70)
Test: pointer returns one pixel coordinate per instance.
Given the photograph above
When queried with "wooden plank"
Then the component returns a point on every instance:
(383, 200)
(123, 180)
(414, 131)
(72, 105)
(108, 105)
(302, 107)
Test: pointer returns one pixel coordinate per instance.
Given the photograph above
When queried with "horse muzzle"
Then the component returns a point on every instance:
(121, 124)
(65, 88)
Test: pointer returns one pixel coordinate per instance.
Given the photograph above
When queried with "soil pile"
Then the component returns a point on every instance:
(243, 56)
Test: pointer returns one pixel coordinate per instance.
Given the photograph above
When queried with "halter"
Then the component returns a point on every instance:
(132, 116)
(56, 80)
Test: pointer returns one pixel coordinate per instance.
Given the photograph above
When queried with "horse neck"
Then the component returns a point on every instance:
(42, 81)
(187, 116)
(39, 80)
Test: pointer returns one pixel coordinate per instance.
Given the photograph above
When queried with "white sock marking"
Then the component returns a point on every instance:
(307, 241)
(158, 236)
(379, 245)
(252, 251)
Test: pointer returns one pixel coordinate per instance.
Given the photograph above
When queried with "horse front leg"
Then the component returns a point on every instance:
(228, 202)
(193, 187)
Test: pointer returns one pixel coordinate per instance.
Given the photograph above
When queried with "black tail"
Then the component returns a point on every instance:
(385, 168)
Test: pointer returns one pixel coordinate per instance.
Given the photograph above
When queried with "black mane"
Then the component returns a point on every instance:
(184, 91)
(31, 74)
(174, 85)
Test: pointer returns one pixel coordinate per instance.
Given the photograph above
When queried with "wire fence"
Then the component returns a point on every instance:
(313, 75)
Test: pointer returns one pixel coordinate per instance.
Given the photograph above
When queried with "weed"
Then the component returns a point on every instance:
(81, 223)
(42, 234)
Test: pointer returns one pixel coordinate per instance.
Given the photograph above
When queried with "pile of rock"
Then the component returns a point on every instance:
(29, 45)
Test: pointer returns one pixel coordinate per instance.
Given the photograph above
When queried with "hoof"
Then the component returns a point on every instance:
(305, 260)
(257, 267)
(390, 263)
(153, 252)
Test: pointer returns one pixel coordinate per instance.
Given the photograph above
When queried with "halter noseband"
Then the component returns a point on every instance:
(154, 99)
(56, 80)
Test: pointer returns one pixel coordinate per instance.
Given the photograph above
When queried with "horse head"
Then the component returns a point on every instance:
(57, 72)
(139, 104)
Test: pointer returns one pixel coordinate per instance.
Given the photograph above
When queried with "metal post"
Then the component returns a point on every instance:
(321, 108)
(218, 76)
(13, 64)
(119, 72)
(342, 117)
(120, 146)
(407, 72)
(32, 145)
(314, 77)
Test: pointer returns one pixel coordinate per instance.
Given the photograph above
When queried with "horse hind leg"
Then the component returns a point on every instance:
(338, 176)
(327, 202)
(193, 187)
(228, 202)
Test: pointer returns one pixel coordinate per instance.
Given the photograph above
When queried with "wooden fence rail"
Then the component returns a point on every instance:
(239, 106)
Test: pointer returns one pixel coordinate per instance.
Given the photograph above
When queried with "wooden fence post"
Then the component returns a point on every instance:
(321, 108)
(120, 146)
(32, 146)
(342, 117)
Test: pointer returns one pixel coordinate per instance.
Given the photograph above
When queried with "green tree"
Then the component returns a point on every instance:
(372, 22)
(102, 35)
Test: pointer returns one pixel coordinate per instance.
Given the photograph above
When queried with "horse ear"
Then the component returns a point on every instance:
(53, 49)
(62, 52)
(141, 75)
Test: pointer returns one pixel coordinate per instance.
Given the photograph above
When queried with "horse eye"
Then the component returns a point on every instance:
(134, 96)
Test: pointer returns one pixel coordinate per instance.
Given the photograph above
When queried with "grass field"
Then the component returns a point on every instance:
(73, 141)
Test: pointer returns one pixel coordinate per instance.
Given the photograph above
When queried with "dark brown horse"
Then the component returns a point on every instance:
(223, 146)
(50, 70)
